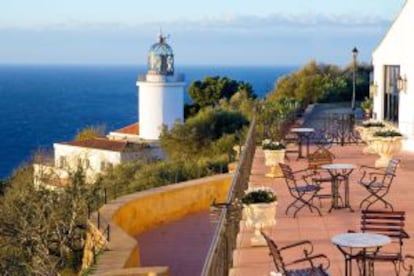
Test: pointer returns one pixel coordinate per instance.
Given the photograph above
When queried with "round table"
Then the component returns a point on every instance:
(303, 134)
(361, 242)
(339, 172)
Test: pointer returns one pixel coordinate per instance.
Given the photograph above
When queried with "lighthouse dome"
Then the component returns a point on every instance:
(161, 58)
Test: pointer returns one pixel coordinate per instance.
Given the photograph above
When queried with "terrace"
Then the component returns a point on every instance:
(255, 260)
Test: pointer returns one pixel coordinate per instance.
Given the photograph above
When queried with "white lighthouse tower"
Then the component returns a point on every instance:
(160, 92)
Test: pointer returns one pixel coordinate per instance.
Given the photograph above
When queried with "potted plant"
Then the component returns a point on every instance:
(367, 106)
(259, 207)
(366, 130)
(274, 153)
(386, 143)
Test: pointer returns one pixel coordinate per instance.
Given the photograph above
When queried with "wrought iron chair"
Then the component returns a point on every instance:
(291, 140)
(378, 182)
(316, 159)
(283, 267)
(390, 223)
(303, 193)
(320, 157)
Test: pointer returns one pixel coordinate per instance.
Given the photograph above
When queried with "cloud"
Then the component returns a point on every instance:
(273, 39)
(236, 22)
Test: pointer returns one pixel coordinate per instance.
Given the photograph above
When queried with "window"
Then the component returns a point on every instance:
(391, 99)
(106, 165)
(86, 163)
(62, 162)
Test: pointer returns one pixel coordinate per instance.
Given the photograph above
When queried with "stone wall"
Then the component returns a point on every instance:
(133, 214)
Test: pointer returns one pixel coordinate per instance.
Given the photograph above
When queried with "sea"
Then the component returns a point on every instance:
(43, 104)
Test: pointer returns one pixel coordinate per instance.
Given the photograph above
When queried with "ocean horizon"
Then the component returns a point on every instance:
(44, 104)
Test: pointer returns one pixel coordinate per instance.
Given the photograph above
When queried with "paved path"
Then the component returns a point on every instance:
(181, 245)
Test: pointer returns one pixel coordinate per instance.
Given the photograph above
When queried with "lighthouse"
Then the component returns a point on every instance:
(160, 92)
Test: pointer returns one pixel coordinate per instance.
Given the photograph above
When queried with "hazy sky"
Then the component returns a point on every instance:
(227, 32)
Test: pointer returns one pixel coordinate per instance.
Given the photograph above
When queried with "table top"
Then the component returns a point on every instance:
(360, 240)
(302, 129)
(338, 166)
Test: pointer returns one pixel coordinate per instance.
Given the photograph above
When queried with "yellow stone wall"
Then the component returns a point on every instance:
(149, 209)
(133, 214)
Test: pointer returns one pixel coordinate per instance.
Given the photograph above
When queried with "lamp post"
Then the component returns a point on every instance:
(354, 56)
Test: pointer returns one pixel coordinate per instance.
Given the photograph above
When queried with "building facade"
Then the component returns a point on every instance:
(393, 62)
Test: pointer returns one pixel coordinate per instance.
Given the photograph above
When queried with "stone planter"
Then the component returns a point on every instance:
(366, 134)
(259, 216)
(272, 159)
(386, 147)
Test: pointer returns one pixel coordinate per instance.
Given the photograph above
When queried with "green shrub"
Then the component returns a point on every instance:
(259, 196)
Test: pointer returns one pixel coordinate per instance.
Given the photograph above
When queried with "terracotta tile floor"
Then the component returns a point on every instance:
(181, 245)
(255, 260)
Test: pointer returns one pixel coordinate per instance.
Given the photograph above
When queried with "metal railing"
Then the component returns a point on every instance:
(220, 255)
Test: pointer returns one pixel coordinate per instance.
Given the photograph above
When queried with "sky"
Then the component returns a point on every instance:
(210, 32)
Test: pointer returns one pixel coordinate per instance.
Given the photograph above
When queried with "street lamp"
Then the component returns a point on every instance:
(354, 56)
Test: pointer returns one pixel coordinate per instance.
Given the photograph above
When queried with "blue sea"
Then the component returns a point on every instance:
(40, 105)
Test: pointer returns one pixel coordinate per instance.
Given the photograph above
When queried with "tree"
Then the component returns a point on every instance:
(322, 83)
(90, 132)
(209, 91)
(197, 136)
(41, 230)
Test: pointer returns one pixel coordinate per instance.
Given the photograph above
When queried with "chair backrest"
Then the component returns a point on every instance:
(390, 172)
(390, 223)
(320, 157)
(275, 252)
(287, 171)
(392, 166)
(289, 176)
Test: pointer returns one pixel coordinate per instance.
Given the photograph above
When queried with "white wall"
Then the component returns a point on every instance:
(74, 155)
(160, 103)
(397, 49)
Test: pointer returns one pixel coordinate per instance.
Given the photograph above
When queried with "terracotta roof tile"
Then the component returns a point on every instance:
(105, 144)
(130, 129)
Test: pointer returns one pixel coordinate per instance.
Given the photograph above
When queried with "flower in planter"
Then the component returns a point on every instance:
(387, 133)
(268, 144)
(368, 124)
(259, 211)
(259, 195)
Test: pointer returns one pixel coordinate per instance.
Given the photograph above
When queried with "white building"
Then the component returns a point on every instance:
(393, 62)
(161, 92)
(94, 156)
(161, 102)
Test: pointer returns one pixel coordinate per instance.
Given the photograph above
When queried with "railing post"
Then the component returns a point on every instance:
(105, 196)
(108, 229)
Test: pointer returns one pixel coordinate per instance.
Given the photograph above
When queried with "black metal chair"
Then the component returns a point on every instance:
(303, 193)
(378, 183)
(316, 159)
(391, 224)
(283, 267)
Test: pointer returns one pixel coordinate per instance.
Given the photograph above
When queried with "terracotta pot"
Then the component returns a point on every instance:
(272, 159)
(386, 147)
(259, 216)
